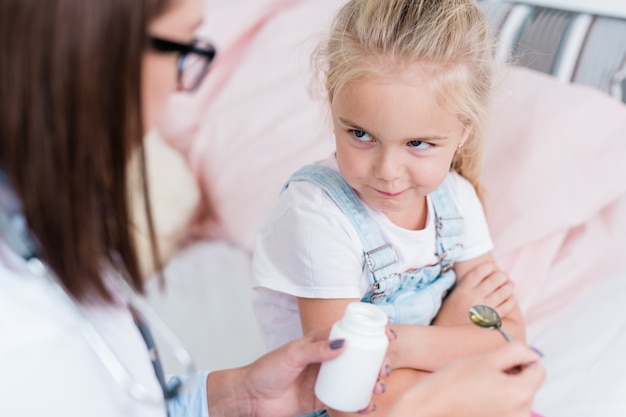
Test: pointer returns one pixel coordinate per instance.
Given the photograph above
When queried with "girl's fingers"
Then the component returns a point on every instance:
(501, 294)
(475, 276)
(492, 283)
(505, 308)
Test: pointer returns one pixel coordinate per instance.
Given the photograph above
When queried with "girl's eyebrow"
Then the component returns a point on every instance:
(348, 123)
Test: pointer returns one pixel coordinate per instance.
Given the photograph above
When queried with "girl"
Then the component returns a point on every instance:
(394, 217)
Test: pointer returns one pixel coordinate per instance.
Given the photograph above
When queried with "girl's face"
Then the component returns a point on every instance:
(394, 144)
(159, 78)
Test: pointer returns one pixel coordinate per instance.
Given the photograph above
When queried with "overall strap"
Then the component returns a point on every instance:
(449, 225)
(379, 255)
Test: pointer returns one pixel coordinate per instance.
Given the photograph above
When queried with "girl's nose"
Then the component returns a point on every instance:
(388, 166)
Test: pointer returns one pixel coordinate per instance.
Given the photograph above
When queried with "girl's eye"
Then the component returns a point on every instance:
(418, 144)
(361, 135)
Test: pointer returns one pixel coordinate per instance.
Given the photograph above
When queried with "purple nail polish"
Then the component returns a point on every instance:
(388, 369)
(336, 344)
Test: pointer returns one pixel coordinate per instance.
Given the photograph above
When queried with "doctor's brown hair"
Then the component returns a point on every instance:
(70, 119)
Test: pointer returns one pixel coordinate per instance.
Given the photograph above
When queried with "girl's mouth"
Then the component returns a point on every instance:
(389, 195)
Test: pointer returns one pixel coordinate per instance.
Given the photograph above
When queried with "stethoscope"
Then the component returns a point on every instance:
(16, 234)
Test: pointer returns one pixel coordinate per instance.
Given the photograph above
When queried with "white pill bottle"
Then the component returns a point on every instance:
(346, 382)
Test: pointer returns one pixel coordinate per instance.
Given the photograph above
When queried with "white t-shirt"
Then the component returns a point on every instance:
(47, 367)
(308, 248)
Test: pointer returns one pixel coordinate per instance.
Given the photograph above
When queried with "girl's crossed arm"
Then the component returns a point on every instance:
(452, 335)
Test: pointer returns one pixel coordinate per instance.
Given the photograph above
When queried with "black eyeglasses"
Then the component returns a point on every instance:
(193, 63)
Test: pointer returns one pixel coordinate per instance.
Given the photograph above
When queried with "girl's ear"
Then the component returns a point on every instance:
(466, 132)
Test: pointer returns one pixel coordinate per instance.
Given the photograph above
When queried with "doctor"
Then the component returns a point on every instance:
(80, 83)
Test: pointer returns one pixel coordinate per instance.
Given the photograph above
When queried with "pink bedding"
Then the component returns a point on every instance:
(555, 172)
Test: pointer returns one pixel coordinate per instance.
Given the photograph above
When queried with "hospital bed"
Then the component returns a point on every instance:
(554, 169)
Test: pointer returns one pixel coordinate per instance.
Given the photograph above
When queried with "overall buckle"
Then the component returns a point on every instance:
(371, 263)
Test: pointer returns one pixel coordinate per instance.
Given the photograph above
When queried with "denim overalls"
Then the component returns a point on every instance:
(411, 297)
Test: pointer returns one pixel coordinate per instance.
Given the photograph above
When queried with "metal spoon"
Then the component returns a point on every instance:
(488, 318)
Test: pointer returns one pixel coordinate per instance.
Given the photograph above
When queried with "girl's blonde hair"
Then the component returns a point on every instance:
(450, 37)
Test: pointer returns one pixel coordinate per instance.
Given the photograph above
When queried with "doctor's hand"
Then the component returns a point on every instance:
(279, 383)
(501, 383)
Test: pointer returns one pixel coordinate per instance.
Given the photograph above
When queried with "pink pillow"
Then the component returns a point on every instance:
(252, 123)
(554, 170)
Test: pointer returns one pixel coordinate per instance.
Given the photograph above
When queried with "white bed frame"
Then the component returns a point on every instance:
(612, 8)
(586, 39)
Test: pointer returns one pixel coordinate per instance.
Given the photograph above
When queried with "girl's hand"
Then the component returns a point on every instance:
(483, 284)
